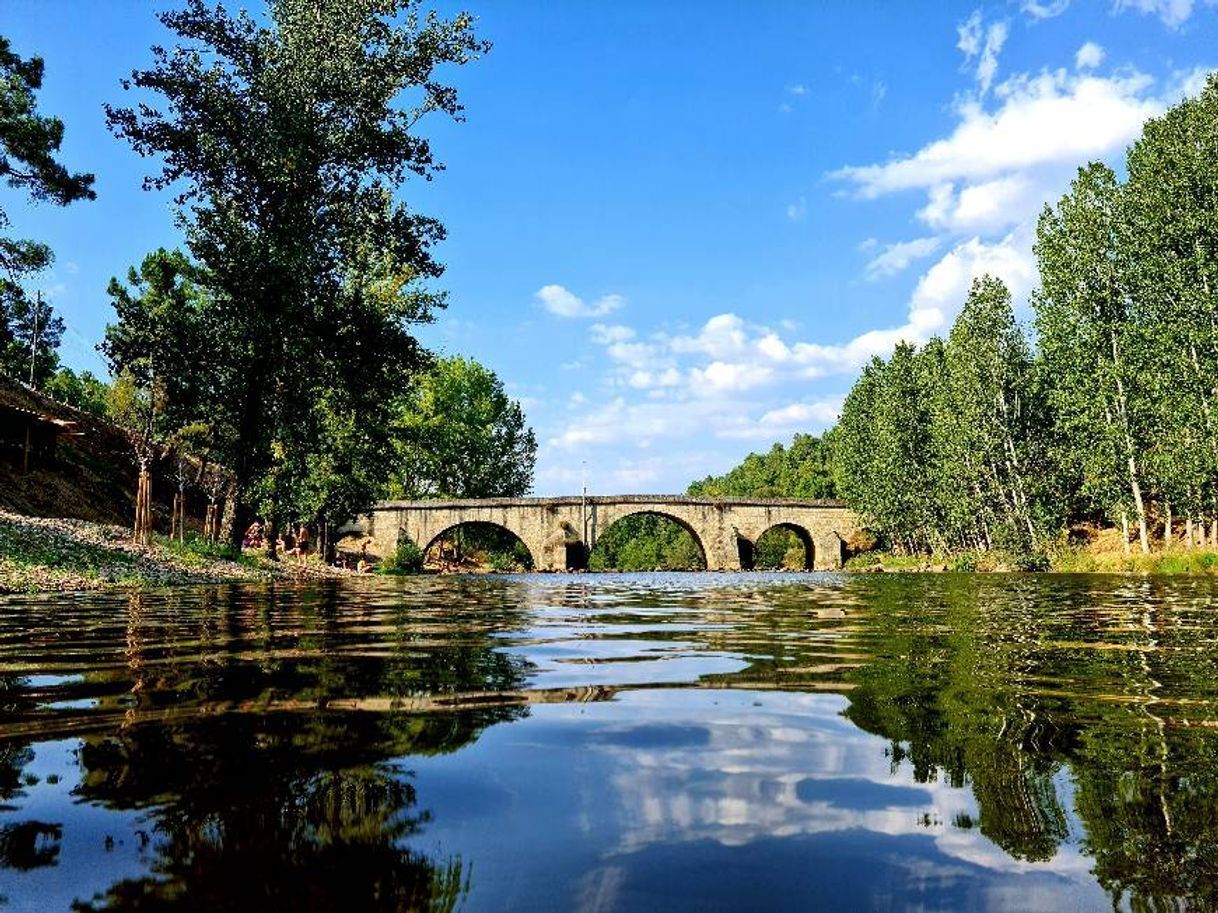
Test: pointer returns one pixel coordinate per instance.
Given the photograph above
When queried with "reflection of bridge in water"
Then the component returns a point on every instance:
(560, 532)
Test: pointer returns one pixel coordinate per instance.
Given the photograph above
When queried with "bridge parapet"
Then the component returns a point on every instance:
(551, 528)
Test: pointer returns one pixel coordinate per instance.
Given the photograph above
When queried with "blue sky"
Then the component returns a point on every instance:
(676, 231)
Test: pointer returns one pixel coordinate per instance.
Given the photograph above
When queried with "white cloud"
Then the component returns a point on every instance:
(969, 35)
(558, 300)
(797, 210)
(1089, 56)
(1044, 9)
(720, 337)
(797, 89)
(1043, 119)
(896, 257)
(1173, 13)
(986, 207)
(791, 418)
(984, 44)
(605, 334)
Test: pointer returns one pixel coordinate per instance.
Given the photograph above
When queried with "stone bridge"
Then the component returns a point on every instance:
(560, 532)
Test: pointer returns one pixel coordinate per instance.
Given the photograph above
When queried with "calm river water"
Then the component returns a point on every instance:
(605, 742)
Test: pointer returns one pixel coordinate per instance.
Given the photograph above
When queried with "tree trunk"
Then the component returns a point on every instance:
(272, 539)
(1167, 537)
(231, 530)
(1125, 532)
(1136, 489)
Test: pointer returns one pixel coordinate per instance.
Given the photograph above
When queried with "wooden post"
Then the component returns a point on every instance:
(29, 433)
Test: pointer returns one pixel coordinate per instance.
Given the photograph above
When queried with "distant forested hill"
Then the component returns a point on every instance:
(803, 470)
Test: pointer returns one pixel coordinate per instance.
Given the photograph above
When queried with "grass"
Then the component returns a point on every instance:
(1095, 558)
(1174, 561)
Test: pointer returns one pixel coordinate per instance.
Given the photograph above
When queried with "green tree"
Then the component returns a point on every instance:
(459, 435)
(162, 336)
(287, 160)
(29, 144)
(1091, 348)
(36, 331)
(1169, 248)
(165, 393)
(83, 390)
(987, 443)
(803, 470)
(856, 468)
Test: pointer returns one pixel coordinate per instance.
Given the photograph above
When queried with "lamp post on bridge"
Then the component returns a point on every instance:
(583, 504)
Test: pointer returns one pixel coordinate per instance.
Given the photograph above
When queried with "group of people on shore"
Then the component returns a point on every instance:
(294, 540)
(297, 541)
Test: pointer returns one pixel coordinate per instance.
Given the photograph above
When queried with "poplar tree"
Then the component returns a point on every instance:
(1091, 348)
(987, 375)
(1170, 252)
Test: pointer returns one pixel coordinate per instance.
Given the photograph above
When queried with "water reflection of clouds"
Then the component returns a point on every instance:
(736, 773)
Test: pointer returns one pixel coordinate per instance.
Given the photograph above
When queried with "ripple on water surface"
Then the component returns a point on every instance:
(669, 741)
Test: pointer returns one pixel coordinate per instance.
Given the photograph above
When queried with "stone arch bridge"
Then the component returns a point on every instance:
(557, 531)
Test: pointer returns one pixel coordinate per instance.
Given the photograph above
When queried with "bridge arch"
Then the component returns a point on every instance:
(666, 515)
(752, 551)
(484, 533)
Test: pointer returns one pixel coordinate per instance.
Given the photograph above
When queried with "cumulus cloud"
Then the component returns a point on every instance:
(1042, 119)
(1089, 56)
(791, 418)
(563, 303)
(896, 257)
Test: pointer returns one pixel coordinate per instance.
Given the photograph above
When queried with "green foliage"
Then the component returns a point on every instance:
(135, 409)
(482, 544)
(780, 548)
(803, 470)
(82, 391)
(34, 333)
(977, 442)
(406, 559)
(646, 542)
(29, 142)
(315, 265)
(459, 435)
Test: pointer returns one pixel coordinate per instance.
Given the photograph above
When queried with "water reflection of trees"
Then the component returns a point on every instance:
(213, 721)
(997, 692)
(278, 812)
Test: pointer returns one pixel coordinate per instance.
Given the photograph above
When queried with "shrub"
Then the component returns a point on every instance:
(406, 559)
(1032, 561)
(964, 563)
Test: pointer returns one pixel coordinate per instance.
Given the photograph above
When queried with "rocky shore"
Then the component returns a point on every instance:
(40, 554)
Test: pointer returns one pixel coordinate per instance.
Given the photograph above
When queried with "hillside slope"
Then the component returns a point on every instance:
(92, 477)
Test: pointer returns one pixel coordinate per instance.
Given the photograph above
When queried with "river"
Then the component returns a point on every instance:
(614, 742)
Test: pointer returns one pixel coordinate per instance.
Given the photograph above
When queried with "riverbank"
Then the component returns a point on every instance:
(39, 554)
(1104, 555)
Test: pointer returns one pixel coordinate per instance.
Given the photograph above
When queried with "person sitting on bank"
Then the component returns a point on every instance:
(253, 536)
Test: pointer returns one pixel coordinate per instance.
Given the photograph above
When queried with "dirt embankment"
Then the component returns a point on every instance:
(91, 476)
